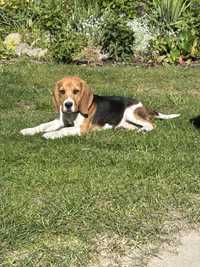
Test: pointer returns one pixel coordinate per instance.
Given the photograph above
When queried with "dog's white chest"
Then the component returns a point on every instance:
(79, 120)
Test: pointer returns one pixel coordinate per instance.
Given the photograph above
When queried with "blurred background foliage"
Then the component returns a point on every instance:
(160, 31)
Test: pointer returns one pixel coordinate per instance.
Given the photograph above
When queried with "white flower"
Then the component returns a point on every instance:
(143, 34)
(91, 27)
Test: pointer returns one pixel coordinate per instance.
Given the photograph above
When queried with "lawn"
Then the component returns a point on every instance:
(103, 197)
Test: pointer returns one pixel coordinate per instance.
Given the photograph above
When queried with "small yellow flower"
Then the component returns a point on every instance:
(12, 41)
(194, 49)
(2, 2)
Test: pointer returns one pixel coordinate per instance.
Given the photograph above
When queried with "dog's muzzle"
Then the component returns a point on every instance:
(68, 106)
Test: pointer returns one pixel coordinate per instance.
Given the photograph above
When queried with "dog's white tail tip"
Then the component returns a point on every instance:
(166, 117)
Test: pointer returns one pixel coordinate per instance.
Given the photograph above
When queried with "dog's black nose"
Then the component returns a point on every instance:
(68, 105)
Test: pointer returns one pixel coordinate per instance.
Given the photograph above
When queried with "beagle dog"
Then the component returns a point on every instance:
(80, 111)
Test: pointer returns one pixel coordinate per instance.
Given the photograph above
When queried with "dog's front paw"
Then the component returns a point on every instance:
(27, 131)
(51, 135)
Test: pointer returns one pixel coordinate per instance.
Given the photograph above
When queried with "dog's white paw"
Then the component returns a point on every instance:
(52, 135)
(28, 131)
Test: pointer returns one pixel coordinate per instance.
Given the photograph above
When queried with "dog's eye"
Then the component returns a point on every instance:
(75, 91)
(62, 91)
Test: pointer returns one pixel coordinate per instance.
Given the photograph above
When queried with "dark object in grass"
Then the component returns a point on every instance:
(196, 122)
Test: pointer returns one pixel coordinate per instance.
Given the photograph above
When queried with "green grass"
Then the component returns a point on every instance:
(58, 198)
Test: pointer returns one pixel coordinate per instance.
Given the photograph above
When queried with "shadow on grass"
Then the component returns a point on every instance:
(196, 122)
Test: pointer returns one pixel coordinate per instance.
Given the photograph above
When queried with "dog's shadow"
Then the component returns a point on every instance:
(196, 122)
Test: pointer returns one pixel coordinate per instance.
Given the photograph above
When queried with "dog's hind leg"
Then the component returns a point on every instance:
(140, 117)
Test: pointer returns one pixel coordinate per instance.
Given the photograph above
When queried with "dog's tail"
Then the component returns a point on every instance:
(162, 116)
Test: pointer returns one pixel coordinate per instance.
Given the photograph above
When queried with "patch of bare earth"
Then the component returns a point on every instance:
(185, 252)
(177, 246)
(176, 237)
(195, 92)
(116, 251)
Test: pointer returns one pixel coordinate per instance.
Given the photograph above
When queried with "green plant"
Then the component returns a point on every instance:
(88, 22)
(47, 24)
(65, 44)
(171, 47)
(118, 38)
(128, 8)
(170, 12)
(65, 27)
(16, 14)
(178, 31)
(188, 44)
(195, 11)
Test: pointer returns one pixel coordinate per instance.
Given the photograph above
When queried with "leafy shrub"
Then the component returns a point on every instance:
(118, 38)
(177, 37)
(66, 27)
(195, 17)
(127, 8)
(15, 14)
(65, 44)
(172, 47)
(170, 11)
(46, 24)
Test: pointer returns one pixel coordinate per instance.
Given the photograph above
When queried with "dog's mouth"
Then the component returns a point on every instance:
(67, 111)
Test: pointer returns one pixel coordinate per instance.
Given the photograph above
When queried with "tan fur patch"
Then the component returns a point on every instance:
(87, 124)
(74, 88)
(144, 115)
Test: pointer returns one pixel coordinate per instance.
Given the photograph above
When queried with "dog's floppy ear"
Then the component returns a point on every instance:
(86, 98)
(55, 98)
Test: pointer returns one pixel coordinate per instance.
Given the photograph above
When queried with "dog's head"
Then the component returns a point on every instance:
(72, 94)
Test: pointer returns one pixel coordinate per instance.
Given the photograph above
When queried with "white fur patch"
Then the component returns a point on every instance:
(67, 131)
(107, 126)
(166, 116)
(128, 115)
(62, 133)
(79, 120)
(45, 127)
